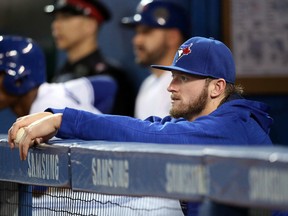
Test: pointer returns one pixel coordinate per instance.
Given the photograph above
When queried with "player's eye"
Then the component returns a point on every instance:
(183, 78)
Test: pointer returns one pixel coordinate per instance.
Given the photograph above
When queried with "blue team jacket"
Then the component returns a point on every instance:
(237, 122)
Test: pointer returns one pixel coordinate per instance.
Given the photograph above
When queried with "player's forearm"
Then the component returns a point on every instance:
(78, 124)
(83, 125)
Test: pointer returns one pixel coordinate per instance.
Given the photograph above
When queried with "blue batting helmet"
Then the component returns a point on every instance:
(23, 62)
(160, 14)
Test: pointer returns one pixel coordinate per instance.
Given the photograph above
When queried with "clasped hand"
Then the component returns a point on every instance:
(38, 128)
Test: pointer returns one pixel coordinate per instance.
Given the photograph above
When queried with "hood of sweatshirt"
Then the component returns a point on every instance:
(247, 108)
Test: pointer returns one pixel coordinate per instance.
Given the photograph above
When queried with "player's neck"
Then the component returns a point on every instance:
(81, 50)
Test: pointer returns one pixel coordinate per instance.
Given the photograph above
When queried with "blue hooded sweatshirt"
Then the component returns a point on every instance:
(237, 122)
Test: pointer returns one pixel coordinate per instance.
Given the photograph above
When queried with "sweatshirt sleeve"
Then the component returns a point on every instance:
(233, 123)
(84, 125)
(77, 124)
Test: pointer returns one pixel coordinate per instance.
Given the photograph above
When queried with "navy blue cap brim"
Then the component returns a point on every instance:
(132, 22)
(175, 68)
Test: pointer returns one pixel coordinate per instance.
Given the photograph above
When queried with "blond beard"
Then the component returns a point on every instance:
(192, 109)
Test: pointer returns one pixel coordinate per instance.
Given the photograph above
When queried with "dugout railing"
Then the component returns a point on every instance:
(249, 177)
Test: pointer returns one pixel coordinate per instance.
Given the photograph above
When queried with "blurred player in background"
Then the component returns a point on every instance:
(75, 30)
(207, 108)
(161, 27)
(23, 86)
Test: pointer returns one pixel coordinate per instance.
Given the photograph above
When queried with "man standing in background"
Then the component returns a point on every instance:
(75, 29)
(161, 27)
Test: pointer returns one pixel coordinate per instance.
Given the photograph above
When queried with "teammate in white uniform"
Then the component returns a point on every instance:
(23, 89)
(75, 93)
(153, 99)
(161, 27)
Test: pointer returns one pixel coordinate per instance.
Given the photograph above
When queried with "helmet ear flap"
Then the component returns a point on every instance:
(12, 85)
(18, 83)
(23, 62)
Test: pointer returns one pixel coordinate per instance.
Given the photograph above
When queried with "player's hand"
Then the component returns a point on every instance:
(38, 127)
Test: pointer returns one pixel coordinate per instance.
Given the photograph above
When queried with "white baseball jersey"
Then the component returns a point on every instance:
(76, 94)
(153, 99)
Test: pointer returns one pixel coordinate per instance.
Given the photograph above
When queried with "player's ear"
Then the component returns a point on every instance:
(217, 87)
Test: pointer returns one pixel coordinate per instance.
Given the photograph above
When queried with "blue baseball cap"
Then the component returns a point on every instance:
(160, 14)
(203, 57)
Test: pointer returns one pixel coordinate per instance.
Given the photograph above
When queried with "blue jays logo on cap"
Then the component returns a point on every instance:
(207, 58)
(184, 50)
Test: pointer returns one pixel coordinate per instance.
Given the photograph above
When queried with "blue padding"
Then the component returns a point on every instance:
(242, 176)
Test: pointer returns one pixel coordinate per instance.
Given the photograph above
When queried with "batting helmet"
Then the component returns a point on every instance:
(160, 14)
(23, 62)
